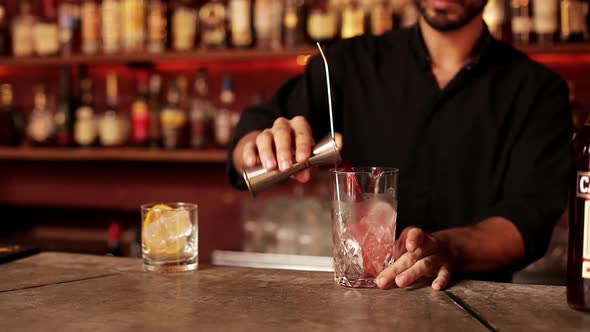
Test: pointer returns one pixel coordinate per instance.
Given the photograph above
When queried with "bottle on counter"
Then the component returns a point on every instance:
(267, 23)
(140, 113)
(12, 121)
(173, 120)
(64, 115)
(91, 26)
(184, 26)
(114, 240)
(578, 267)
(46, 31)
(4, 29)
(213, 16)
(113, 127)
(201, 111)
(155, 107)
(381, 18)
(157, 26)
(321, 22)
(85, 127)
(545, 20)
(240, 23)
(353, 20)
(111, 26)
(22, 30)
(224, 117)
(40, 127)
(522, 21)
(573, 20)
(133, 25)
(293, 31)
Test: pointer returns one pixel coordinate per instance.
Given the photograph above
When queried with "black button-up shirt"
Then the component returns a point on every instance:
(493, 142)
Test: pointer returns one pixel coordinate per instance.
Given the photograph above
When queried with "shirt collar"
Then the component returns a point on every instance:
(481, 51)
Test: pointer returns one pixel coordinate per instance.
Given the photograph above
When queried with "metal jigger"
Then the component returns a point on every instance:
(258, 179)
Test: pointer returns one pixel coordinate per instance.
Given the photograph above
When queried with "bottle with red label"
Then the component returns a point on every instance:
(578, 270)
(140, 114)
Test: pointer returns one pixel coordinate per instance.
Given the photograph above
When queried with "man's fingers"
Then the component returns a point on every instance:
(264, 143)
(424, 267)
(249, 154)
(303, 138)
(282, 139)
(414, 239)
(442, 279)
(406, 261)
(303, 176)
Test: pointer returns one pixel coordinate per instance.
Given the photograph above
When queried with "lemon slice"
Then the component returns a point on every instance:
(166, 230)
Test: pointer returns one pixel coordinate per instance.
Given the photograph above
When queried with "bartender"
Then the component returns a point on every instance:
(479, 131)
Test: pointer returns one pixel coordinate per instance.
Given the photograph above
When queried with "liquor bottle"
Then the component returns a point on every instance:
(64, 115)
(223, 116)
(184, 26)
(293, 24)
(573, 20)
(496, 18)
(201, 111)
(578, 110)
(90, 11)
(4, 29)
(353, 20)
(155, 107)
(173, 120)
(22, 30)
(113, 127)
(85, 128)
(521, 21)
(40, 128)
(46, 31)
(114, 240)
(213, 16)
(240, 22)
(133, 24)
(157, 26)
(545, 20)
(267, 23)
(140, 114)
(578, 267)
(321, 22)
(12, 122)
(69, 26)
(111, 26)
(381, 18)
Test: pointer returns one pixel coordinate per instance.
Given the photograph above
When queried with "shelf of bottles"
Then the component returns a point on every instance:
(177, 119)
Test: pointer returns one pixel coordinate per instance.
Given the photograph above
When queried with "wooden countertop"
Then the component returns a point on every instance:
(68, 292)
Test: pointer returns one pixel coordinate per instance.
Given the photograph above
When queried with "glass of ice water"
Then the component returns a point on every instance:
(364, 213)
(169, 237)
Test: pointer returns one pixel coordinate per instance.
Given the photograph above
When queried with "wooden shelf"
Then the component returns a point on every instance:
(556, 48)
(146, 58)
(113, 154)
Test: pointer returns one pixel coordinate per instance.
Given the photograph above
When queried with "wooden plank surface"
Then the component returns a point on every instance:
(512, 307)
(218, 299)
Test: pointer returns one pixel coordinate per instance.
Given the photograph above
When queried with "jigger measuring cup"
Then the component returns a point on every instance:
(258, 179)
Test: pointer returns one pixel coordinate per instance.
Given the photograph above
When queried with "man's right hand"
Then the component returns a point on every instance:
(274, 147)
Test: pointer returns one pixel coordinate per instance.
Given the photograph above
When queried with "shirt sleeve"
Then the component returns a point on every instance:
(304, 95)
(535, 187)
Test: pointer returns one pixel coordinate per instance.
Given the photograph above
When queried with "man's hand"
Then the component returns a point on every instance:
(274, 147)
(418, 255)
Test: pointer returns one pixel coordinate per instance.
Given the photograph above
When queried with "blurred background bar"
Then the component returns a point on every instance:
(106, 105)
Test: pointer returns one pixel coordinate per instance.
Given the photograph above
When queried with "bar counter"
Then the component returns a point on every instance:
(70, 292)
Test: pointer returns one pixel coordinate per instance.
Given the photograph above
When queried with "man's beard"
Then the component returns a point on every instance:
(440, 20)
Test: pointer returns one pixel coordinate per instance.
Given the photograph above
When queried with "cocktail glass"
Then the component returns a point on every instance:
(364, 212)
(170, 237)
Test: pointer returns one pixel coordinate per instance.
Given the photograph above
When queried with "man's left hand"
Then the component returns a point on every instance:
(418, 255)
